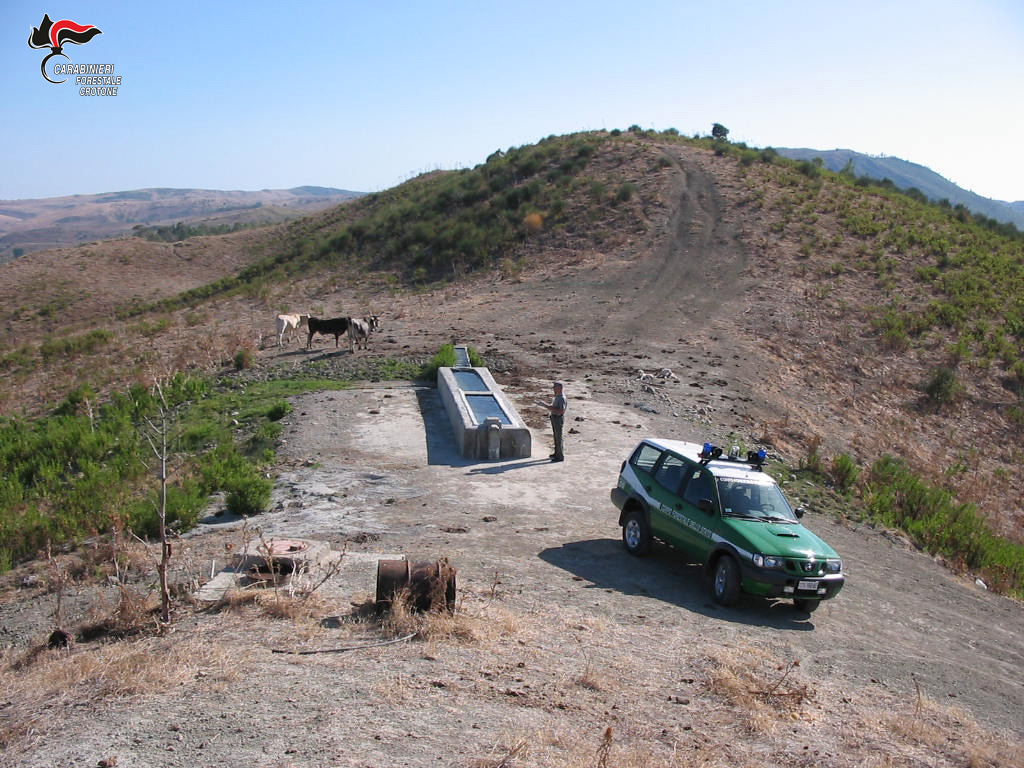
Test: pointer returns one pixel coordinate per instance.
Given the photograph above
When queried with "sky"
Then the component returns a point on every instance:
(362, 95)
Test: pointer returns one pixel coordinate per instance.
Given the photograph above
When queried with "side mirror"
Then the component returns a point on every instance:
(799, 512)
(705, 505)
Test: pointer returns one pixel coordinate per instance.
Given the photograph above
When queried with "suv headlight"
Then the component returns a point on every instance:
(833, 566)
(761, 561)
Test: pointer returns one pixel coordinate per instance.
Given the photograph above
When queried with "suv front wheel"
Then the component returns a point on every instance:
(726, 586)
(636, 534)
(807, 606)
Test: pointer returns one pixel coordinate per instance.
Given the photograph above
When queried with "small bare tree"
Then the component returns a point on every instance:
(156, 435)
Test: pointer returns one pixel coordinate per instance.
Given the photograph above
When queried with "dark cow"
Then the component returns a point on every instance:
(335, 325)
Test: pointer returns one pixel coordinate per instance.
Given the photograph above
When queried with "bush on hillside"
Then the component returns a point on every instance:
(843, 471)
(943, 387)
(940, 525)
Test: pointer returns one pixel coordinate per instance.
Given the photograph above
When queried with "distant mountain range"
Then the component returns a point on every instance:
(905, 175)
(52, 222)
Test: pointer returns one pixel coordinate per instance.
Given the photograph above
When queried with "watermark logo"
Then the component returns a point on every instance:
(92, 79)
(56, 35)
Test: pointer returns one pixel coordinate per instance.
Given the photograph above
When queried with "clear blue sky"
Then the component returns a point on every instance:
(362, 95)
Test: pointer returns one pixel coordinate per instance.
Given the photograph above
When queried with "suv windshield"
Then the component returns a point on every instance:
(762, 501)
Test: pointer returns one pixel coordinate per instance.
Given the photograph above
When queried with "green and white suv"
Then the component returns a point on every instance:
(724, 512)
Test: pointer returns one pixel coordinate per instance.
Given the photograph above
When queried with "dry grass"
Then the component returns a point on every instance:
(272, 603)
(764, 690)
(114, 558)
(596, 747)
(933, 729)
(771, 704)
(590, 679)
(470, 623)
(40, 685)
(132, 613)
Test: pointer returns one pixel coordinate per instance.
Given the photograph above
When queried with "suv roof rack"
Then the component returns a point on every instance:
(754, 459)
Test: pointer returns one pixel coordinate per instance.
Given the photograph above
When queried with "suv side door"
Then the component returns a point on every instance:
(698, 486)
(668, 523)
(642, 465)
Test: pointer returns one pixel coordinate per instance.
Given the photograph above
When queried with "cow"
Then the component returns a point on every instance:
(360, 328)
(335, 325)
(287, 323)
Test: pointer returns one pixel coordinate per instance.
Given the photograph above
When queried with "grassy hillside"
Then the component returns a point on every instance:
(887, 325)
(911, 176)
(442, 225)
(936, 275)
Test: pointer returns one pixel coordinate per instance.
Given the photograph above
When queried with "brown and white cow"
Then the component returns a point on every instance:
(360, 328)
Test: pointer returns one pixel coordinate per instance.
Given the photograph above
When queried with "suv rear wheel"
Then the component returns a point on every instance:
(636, 534)
(726, 586)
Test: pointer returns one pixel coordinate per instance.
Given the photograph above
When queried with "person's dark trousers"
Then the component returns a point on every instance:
(556, 428)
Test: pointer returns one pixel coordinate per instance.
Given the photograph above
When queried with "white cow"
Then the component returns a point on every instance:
(287, 323)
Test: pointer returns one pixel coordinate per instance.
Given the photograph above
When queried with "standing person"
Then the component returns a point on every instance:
(556, 411)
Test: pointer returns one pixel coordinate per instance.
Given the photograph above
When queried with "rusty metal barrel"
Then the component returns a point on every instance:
(427, 585)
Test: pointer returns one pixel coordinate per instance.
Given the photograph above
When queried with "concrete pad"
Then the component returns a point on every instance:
(354, 573)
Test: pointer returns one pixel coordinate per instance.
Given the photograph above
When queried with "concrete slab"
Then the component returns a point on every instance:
(350, 573)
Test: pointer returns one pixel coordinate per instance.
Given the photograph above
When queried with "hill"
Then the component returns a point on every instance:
(38, 224)
(859, 306)
(797, 310)
(906, 175)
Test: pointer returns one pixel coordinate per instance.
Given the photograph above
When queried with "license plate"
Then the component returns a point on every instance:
(808, 585)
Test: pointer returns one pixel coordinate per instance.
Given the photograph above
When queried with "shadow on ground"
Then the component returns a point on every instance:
(441, 447)
(497, 469)
(663, 576)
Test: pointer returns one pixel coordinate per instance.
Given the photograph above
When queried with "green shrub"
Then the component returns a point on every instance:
(809, 168)
(81, 470)
(226, 469)
(278, 410)
(250, 497)
(844, 471)
(935, 521)
(264, 439)
(812, 461)
(625, 192)
(445, 358)
(943, 387)
(184, 503)
(75, 345)
(243, 359)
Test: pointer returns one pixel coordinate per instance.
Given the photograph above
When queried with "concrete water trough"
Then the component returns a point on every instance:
(485, 424)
